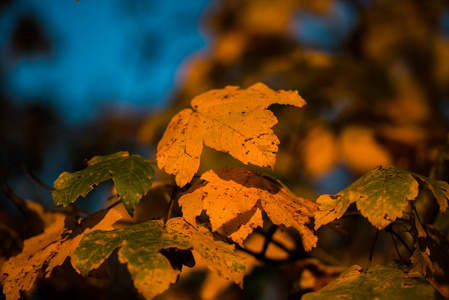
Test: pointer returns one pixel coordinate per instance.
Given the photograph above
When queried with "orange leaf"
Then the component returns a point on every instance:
(44, 252)
(234, 198)
(228, 120)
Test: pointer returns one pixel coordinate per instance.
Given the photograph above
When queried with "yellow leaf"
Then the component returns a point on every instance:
(234, 198)
(42, 253)
(229, 120)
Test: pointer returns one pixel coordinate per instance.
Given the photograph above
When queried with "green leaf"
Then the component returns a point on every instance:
(381, 196)
(379, 282)
(141, 245)
(131, 175)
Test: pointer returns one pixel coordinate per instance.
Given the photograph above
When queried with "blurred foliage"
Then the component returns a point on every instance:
(377, 93)
(376, 97)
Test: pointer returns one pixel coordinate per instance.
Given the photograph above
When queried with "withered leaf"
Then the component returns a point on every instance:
(234, 198)
(431, 255)
(229, 120)
(42, 253)
(421, 262)
(140, 247)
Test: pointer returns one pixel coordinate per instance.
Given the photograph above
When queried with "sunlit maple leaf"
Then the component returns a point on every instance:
(235, 197)
(229, 120)
(381, 196)
(42, 253)
(131, 175)
(379, 282)
(141, 245)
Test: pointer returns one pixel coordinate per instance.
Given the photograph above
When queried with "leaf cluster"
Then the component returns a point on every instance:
(222, 209)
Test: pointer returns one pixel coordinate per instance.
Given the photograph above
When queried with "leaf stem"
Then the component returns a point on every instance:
(390, 230)
(371, 253)
(396, 247)
(171, 202)
(114, 204)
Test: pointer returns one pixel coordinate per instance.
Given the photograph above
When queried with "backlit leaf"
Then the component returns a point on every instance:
(235, 197)
(379, 282)
(131, 175)
(140, 247)
(229, 120)
(381, 196)
(42, 253)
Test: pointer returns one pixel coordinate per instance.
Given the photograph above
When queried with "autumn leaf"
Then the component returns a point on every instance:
(381, 196)
(379, 282)
(421, 262)
(42, 253)
(430, 256)
(229, 120)
(131, 175)
(235, 197)
(439, 189)
(141, 245)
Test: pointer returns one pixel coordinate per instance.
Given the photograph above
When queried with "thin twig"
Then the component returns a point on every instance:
(35, 178)
(114, 204)
(171, 202)
(396, 246)
(9, 192)
(268, 239)
(259, 256)
(273, 241)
